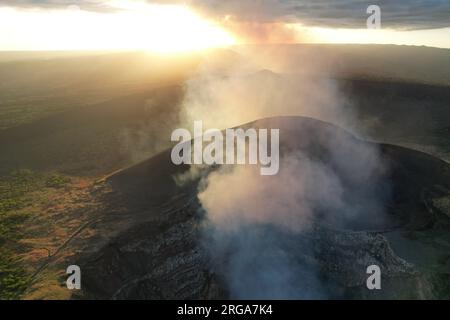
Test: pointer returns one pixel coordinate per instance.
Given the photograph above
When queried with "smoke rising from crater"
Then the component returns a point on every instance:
(244, 92)
(252, 221)
(287, 201)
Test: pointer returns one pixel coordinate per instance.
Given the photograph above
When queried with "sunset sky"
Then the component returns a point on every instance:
(172, 26)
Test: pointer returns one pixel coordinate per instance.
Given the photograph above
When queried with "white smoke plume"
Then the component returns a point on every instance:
(248, 215)
(286, 200)
(223, 101)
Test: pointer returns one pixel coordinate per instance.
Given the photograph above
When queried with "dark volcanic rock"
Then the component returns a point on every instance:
(150, 244)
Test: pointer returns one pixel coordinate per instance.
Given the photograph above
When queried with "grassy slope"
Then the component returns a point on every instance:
(38, 214)
(18, 194)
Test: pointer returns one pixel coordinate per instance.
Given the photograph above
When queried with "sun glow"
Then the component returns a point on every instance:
(133, 26)
(429, 37)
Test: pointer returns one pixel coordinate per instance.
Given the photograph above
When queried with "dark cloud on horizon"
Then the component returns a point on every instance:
(399, 14)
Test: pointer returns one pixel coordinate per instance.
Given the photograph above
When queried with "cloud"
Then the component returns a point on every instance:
(88, 5)
(400, 14)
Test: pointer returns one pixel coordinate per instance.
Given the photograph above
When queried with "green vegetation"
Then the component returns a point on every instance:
(57, 181)
(13, 277)
(16, 194)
